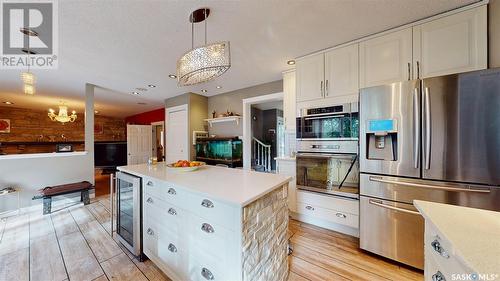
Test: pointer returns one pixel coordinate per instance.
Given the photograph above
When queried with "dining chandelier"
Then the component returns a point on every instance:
(204, 63)
(28, 77)
(62, 116)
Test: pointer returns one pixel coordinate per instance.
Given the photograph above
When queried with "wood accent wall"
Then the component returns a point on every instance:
(29, 125)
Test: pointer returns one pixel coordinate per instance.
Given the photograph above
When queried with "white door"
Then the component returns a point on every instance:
(177, 136)
(453, 44)
(289, 101)
(310, 78)
(386, 59)
(138, 144)
(341, 71)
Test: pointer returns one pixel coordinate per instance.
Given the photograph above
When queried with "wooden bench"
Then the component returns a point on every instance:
(48, 192)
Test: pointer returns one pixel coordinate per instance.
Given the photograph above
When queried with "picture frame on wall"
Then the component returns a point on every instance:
(98, 129)
(5, 126)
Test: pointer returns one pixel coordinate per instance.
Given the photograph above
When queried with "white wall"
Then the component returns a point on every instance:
(31, 174)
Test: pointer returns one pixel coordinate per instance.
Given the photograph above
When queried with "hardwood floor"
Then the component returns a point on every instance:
(74, 244)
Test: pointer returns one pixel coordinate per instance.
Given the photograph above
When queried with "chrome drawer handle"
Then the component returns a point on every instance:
(340, 215)
(311, 208)
(207, 274)
(172, 191)
(150, 231)
(438, 276)
(207, 228)
(172, 248)
(150, 200)
(207, 203)
(150, 183)
(172, 211)
(439, 249)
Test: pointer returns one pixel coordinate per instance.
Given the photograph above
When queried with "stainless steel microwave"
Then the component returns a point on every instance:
(337, 122)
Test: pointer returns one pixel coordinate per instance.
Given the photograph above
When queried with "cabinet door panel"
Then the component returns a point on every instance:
(386, 59)
(342, 71)
(453, 44)
(310, 76)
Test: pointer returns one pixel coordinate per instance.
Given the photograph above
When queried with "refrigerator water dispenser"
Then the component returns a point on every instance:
(382, 139)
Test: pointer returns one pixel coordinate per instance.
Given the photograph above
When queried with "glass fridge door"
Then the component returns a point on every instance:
(128, 211)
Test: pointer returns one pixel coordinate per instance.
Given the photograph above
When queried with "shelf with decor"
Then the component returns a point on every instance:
(235, 119)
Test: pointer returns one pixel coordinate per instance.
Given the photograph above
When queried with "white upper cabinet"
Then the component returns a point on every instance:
(310, 76)
(342, 71)
(452, 44)
(289, 100)
(386, 59)
(328, 75)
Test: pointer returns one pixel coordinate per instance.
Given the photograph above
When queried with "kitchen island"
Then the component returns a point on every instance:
(214, 223)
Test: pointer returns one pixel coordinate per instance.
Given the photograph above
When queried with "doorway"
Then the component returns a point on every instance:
(262, 134)
(177, 134)
(158, 140)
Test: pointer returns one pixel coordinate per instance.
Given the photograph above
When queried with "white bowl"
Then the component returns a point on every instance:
(185, 169)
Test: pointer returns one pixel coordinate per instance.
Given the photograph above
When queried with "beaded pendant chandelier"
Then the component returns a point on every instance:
(204, 63)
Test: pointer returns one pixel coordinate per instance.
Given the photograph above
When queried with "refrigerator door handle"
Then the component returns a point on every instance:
(427, 128)
(380, 204)
(416, 128)
(428, 186)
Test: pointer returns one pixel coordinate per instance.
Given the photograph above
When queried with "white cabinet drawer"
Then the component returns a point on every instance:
(441, 251)
(165, 191)
(328, 214)
(163, 213)
(350, 206)
(171, 252)
(209, 237)
(203, 267)
(214, 211)
(150, 237)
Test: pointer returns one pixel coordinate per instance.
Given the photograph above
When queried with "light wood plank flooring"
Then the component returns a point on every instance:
(74, 244)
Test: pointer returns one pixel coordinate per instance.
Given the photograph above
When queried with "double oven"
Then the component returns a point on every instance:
(327, 150)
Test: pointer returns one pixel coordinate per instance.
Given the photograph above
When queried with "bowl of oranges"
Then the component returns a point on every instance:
(186, 166)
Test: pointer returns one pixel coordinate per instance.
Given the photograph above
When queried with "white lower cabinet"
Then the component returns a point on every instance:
(440, 257)
(332, 212)
(191, 238)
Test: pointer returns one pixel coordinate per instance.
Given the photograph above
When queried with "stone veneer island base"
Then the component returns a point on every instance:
(215, 223)
(265, 243)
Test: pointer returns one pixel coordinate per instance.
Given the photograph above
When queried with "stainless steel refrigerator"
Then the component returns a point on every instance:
(436, 139)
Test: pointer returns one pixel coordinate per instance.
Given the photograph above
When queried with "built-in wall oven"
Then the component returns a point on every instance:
(328, 172)
(128, 211)
(337, 122)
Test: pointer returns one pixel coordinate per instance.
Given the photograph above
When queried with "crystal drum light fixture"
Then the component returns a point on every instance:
(28, 77)
(62, 116)
(204, 63)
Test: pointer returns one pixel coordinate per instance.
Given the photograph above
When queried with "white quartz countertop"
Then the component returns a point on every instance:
(473, 233)
(233, 186)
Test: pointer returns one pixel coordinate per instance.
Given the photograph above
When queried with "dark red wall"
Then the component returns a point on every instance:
(147, 118)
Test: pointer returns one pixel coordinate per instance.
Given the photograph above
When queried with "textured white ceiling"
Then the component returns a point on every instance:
(125, 44)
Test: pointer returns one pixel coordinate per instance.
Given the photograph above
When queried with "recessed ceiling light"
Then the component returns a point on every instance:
(290, 62)
(219, 87)
(172, 76)
(135, 93)
(96, 111)
(204, 91)
(151, 86)
(8, 102)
